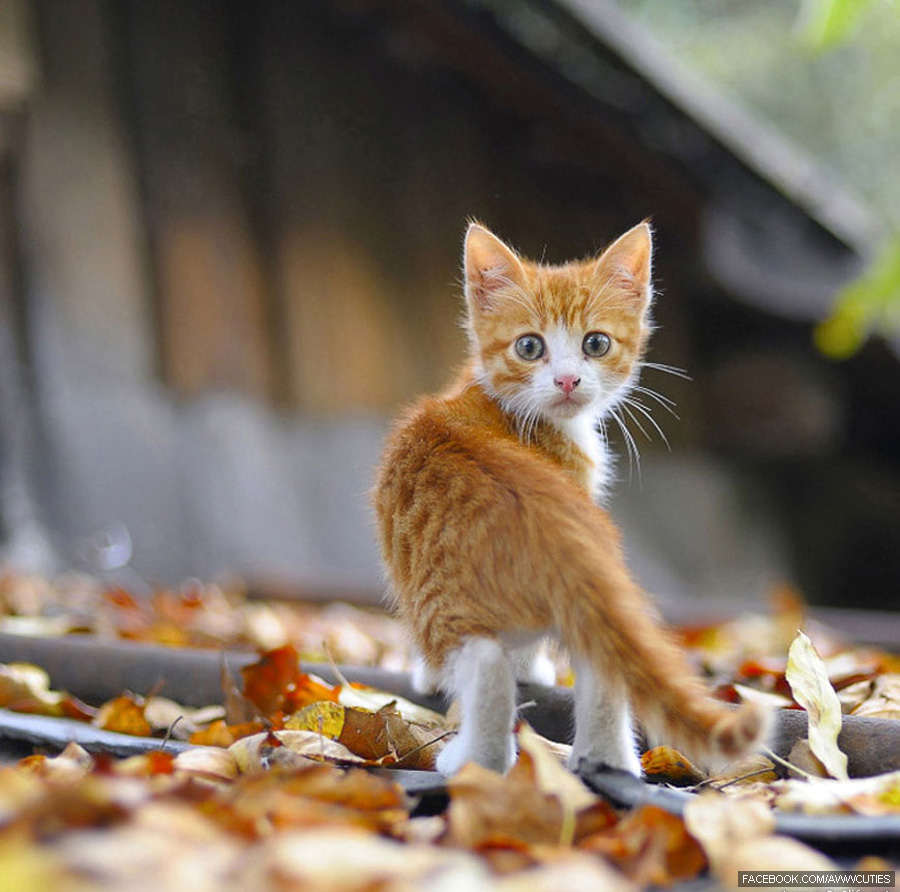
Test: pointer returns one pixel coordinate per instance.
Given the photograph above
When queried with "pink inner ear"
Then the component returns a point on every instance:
(490, 266)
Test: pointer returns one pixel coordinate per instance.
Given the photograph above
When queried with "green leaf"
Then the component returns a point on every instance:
(823, 24)
(870, 304)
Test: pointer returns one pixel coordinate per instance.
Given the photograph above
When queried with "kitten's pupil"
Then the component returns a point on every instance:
(596, 344)
(530, 347)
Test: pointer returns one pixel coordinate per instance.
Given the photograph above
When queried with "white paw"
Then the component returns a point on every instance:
(425, 680)
(625, 759)
(460, 751)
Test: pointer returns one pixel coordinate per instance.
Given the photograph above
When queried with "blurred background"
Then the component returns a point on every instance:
(229, 250)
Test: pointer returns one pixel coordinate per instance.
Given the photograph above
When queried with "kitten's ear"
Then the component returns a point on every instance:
(627, 262)
(490, 268)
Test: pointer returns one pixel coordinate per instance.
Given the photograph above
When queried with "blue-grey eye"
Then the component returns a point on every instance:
(530, 347)
(596, 343)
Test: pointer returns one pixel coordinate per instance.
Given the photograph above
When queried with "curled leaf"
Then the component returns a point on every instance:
(808, 677)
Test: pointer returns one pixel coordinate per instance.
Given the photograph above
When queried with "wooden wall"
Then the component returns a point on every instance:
(307, 171)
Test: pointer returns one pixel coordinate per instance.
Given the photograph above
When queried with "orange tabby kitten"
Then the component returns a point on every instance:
(489, 529)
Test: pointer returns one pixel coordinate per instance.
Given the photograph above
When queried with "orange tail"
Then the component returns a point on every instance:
(616, 631)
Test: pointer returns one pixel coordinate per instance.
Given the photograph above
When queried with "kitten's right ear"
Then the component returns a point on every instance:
(491, 267)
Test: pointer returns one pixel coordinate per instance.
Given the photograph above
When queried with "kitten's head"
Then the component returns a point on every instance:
(553, 342)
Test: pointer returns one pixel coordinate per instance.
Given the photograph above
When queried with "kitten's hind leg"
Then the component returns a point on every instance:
(532, 663)
(425, 680)
(480, 675)
(603, 726)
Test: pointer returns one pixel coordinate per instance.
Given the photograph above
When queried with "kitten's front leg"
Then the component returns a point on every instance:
(603, 726)
(480, 675)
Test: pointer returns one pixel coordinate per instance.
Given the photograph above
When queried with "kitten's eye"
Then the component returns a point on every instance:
(530, 347)
(596, 344)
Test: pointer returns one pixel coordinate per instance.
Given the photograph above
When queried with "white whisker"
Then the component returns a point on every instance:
(630, 445)
(664, 401)
(638, 406)
(668, 369)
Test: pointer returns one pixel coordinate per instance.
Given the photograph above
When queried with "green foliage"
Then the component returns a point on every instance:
(826, 23)
(872, 303)
(869, 305)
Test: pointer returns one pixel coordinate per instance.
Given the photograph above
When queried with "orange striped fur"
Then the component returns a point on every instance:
(488, 525)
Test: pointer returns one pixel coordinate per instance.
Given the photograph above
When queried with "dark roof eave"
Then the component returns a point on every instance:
(765, 153)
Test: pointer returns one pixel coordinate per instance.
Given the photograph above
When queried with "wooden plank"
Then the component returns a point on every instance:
(212, 297)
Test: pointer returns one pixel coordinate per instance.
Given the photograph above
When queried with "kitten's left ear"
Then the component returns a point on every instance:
(627, 262)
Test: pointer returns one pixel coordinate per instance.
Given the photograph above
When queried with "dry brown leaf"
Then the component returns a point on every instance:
(207, 761)
(26, 688)
(382, 737)
(72, 764)
(664, 764)
(772, 853)
(372, 699)
(650, 846)
(719, 824)
(125, 715)
(746, 772)
(490, 810)
(572, 870)
(550, 776)
(178, 721)
(879, 795)
(883, 700)
(348, 860)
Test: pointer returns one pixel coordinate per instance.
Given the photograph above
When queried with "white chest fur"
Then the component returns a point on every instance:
(582, 431)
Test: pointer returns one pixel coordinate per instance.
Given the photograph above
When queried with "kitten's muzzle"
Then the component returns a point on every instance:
(567, 383)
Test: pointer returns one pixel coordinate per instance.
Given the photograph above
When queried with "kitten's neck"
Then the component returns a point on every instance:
(575, 444)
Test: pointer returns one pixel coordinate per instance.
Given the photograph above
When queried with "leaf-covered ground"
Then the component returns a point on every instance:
(276, 789)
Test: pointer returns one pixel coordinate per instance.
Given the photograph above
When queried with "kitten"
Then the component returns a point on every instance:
(490, 533)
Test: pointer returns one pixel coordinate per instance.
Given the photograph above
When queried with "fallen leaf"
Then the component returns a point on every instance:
(373, 699)
(879, 795)
(719, 824)
(26, 688)
(752, 770)
(269, 681)
(803, 758)
(178, 721)
(348, 860)
(650, 846)
(808, 678)
(383, 737)
(325, 717)
(124, 714)
(220, 734)
(772, 853)
(72, 764)
(550, 776)
(664, 764)
(207, 761)
(255, 753)
(489, 809)
(883, 700)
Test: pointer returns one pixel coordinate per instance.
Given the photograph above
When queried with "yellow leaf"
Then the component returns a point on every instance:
(807, 675)
(323, 717)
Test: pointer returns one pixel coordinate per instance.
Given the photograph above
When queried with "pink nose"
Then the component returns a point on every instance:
(567, 383)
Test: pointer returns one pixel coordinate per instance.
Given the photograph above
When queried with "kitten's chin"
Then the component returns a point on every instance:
(564, 410)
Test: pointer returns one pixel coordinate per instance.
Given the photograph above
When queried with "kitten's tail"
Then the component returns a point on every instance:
(616, 632)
